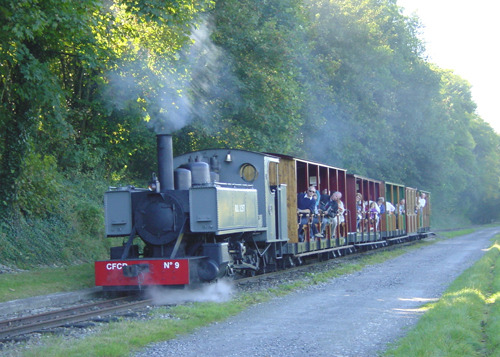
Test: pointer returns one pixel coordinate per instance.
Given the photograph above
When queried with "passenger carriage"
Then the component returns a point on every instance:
(367, 230)
(298, 174)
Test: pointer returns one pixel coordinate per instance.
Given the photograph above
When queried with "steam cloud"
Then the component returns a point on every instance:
(220, 291)
(178, 94)
(176, 105)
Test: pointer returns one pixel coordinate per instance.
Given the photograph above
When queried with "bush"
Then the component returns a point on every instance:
(39, 185)
(70, 230)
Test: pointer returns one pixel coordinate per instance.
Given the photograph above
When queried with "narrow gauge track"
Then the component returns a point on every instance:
(32, 323)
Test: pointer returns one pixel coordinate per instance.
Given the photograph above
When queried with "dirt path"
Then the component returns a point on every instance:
(354, 315)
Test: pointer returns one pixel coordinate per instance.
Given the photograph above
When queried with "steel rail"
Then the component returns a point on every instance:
(23, 325)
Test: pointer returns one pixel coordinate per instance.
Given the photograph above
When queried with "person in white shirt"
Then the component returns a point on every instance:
(421, 202)
(402, 206)
(340, 211)
(389, 208)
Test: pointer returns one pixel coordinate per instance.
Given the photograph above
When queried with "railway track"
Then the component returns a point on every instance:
(14, 327)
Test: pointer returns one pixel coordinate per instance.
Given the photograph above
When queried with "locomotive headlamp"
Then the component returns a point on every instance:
(154, 184)
(228, 157)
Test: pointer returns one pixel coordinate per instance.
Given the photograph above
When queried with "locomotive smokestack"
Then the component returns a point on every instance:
(165, 162)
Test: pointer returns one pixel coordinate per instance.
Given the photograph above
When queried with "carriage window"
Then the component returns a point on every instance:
(248, 172)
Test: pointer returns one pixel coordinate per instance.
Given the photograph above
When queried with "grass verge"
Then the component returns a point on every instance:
(46, 281)
(466, 320)
(461, 232)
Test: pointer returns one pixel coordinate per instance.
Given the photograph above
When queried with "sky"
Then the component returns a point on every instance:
(463, 35)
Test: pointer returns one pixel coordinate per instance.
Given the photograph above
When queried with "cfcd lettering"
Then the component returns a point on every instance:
(113, 266)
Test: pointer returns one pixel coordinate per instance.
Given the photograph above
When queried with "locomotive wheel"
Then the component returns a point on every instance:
(286, 263)
(229, 271)
(252, 257)
(298, 261)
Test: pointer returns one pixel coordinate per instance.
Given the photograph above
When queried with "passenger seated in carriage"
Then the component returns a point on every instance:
(306, 206)
(420, 203)
(330, 211)
(359, 210)
(324, 198)
(373, 214)
(401, 207)
(389, 208)
(341, 210)
(381, 205)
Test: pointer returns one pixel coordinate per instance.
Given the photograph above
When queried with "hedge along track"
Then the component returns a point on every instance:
(9, 329)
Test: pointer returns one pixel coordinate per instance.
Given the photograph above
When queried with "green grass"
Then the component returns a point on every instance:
(45, 281)
(461, 232)
(466, 320)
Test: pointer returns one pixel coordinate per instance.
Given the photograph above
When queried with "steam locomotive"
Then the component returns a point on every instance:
(221, 212)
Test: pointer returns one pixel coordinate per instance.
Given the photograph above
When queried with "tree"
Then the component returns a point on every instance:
(486, 188)
(253, 99)
(34, 34)
(369, 56)
(57, 58)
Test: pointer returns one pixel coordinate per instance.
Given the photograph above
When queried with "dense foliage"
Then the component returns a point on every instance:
(84, 85)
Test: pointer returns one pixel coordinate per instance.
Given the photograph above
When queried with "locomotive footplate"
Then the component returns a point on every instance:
(141, 273)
